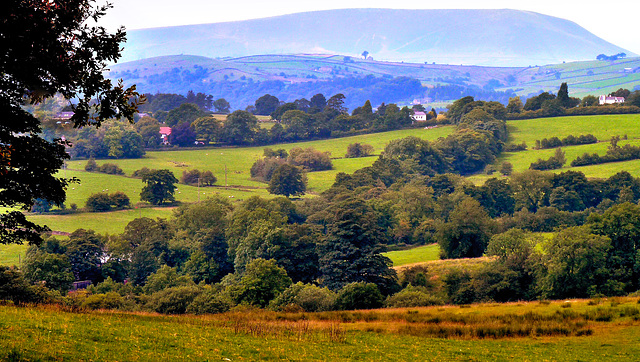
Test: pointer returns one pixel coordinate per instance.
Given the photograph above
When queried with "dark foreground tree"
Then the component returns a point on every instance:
(48, 48)
(351, 251)
(160, 187)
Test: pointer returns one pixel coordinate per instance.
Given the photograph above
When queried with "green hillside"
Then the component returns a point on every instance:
(238, 161)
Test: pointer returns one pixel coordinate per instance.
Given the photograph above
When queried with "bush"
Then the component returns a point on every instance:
(195, 177)
(110, 300)
(141, 172)
(570, 140)
(554, 162)
(515, 147)
(91, 165)
(210, 301)
(311, 159)
(13, 287)
(359, 296)
(506, 168)
(263, 169)
(110, 169)
(101, 201)
(355, 150)
(308, 297)
(98, 202)
(412, 297)
(417, 276)
(174, 300)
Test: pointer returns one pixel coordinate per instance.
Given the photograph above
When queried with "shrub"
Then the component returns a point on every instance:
(91, 165)
(98, 202)
(174, 300)
(101, 201)
(263, 169)
(262, 281)
(515, 147)
(195, 177)
(554, 162)
(119, 200)
(308, 297)
(311, 159)
(417, 276)
(13, 287)
(110, 169)
(110, 300)
(141, 172)
(359, 296)
(506, 168)
(166, 277)
(412, 297)
(355, 150)
(210, 301)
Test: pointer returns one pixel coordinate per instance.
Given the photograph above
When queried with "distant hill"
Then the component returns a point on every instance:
(242, 80)
(478, 37)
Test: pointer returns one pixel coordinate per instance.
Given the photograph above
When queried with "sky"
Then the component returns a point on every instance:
(613, 21)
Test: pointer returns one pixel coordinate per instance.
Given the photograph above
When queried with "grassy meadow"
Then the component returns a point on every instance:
(414, 255)
(534, 331)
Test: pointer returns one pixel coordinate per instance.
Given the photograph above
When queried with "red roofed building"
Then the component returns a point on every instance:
(164, 134)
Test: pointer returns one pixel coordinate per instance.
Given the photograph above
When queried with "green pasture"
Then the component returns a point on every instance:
(603, 127)
(230, 164)
(102, 222)
(47, 333)
(414, 255)
(12, 254)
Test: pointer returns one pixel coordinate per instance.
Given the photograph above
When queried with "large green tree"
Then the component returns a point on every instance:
(240, 128)
(49, 48)
(287, 180)
(160, 187)
(351, 251)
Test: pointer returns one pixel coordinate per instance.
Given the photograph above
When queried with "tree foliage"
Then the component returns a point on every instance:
(50, 48)
(160, 187)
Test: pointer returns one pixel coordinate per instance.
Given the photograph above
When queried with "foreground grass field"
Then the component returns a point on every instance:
(606, 330)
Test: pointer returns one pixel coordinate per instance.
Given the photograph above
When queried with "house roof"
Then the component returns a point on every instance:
(419, 113)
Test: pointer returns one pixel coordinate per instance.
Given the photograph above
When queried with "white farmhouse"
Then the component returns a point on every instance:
(610, 100)
(419, 116)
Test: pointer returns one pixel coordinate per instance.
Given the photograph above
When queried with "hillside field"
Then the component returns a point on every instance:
(238, 161)
(533, 331)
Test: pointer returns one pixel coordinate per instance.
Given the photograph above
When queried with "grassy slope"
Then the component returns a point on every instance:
(48, 334)
(414, 255)
(603, 127)
(237, 160)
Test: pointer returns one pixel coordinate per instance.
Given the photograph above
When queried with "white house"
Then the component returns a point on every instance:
(419, 116)
(610, 100)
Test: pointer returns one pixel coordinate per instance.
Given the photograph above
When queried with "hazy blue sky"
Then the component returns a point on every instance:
(614, 21)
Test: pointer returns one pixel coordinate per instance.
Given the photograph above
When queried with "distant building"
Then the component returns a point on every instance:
(419, 116)
(165, 132)
(63, 117)
(610, 100)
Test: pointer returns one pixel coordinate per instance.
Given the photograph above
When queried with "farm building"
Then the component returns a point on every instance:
(610, 100)
(419, 116)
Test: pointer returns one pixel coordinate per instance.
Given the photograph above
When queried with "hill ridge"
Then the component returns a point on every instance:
(501, 37)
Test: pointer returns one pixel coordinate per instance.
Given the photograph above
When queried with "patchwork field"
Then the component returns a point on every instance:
(534, 331)
(238, 161)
